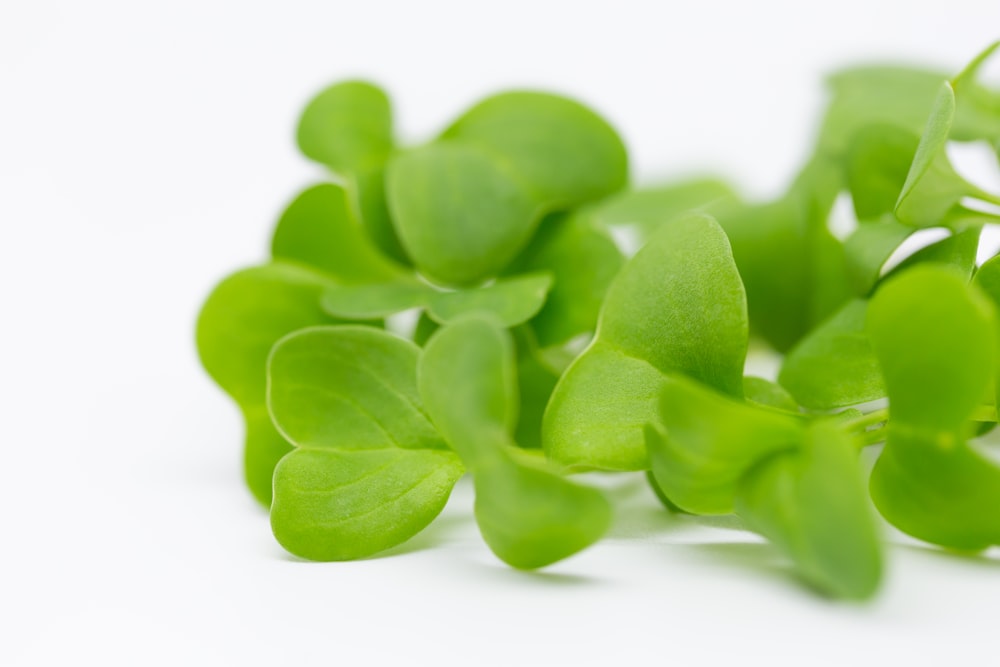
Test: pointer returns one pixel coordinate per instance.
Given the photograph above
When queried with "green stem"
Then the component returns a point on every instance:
(873, 418)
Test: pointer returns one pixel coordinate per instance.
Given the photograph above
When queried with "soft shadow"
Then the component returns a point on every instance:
(989, 559)
(442, 530)
(505, 573)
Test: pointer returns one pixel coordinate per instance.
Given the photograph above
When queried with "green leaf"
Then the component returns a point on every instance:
(348, 387)
(512, 300)
(794, 270)
(528, 515)
(766, 394)
(869, 247)
(583, 260)
(368, 203)
(935, 338)
(812, 504)
(317, 229)
(708, 441)
(957, 250)
(677, 307)
(877, 164)
(532, 517)
(598, 409)
(239, 322)
(834, 366)
(536, 380)
(563, 151)
(461, 214)
(645, 209)
(370, 470)
(363, 302)
(468, 381)
(347, 127)
(340, 505)
(933, 188)
(871, 94)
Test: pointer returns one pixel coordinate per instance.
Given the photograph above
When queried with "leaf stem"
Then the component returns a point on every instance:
(873, 418)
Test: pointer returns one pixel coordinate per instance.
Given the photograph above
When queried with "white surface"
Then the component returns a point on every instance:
(145, 149)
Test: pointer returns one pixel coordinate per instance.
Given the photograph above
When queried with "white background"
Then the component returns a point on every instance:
(145, 150)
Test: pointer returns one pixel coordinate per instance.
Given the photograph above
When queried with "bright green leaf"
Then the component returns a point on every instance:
(341, 505)
(583, 260)
(935, 338)
(677, 307)
(528, 515)
(461, 214)
(348, 387)
(563, 151)
(708, 441)
(318, 229)
(347, 127)
(239, 322)
(645, 209)
(834, 366)
(812, 504)
(512, 300)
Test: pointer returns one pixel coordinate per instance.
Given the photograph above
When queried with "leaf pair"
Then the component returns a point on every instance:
(797, 483)
(369, 469)
(468, 203)
(528, 515)
(677, 307)
(370, 416)
(935, 338)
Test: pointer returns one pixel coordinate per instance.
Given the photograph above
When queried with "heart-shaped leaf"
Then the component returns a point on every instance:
(370, 470)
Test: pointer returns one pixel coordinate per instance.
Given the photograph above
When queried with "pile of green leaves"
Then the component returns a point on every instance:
(540, 348)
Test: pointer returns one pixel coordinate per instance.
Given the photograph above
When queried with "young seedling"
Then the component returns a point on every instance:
(528, 514)
(369, 470)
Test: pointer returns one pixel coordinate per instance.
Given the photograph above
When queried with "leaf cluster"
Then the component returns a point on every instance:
(567, 322)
